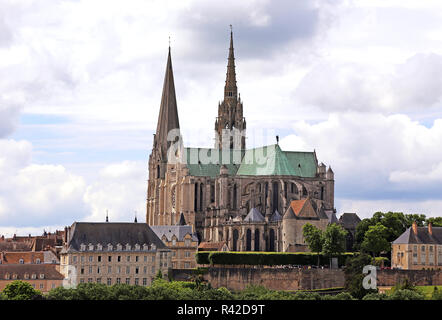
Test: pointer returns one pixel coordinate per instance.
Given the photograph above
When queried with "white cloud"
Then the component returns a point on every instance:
(121, 190)
(34, 195)
(366, 152)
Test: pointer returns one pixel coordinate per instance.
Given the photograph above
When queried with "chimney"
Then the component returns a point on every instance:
(430, 229)
(65, 238)
(414, 226)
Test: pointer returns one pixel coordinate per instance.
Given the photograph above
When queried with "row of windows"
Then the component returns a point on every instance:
(187, 242)
(109, 259)
(119, 247)
(187, 254)
(41, 286)
(118, 269)
(26, 276)
(109, 281)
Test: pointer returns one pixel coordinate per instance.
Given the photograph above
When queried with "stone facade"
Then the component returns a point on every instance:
(113, 253)
(418, 248)
(182, 243)
(216, 189)
(237, 279)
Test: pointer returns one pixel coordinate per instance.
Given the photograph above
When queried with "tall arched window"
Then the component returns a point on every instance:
(249, 240)
(235, 191)
(275, 196)
(272, 240)
(201, 206)
(195, 200)
(256, 240)
(235, 240)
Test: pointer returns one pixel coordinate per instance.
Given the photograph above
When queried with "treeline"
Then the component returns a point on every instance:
(175, 290)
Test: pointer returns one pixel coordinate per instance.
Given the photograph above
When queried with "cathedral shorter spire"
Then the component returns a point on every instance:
(168, 116)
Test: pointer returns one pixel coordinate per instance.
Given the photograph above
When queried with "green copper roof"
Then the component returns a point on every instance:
(206, 162)
(264, 161)
(304, 163)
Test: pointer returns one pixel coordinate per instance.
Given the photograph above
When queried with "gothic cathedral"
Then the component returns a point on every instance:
(253, 199)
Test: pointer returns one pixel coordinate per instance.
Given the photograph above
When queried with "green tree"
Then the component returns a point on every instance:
(334, 240)
(375, 239)
(20, 290)
(410, 218)
(314, 238)
(159, 275)
(435, 221)
(354, 275)
(437, 294)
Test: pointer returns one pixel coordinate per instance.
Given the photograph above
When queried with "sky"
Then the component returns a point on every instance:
(359, 82)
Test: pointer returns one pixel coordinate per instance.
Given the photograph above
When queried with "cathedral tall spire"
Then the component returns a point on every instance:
(168, 116)
(230, 88)
(230, 124)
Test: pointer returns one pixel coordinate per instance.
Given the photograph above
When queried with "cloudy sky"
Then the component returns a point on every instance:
(360, 82)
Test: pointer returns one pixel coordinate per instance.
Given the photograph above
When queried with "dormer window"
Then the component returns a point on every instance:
(174, 242)
(91, 247)
(137, 247)
(119, 247)
(7, 276)
(26, 276)
(14, 276)
(145, 247)
(128, 247)
(42, 276)
(110, 247)
(34, 276)
(154, 247)
(99, 247)
(82, 247)
(37, 261)
(21, 261)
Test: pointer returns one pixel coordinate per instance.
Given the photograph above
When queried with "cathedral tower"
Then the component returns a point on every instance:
(230, 124)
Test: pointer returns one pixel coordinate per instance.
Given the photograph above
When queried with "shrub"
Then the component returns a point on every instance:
(406, 294)
(306, 296)
(20, 290)
(339, 296)
(437, 294)
(375, 296)
(202, 257)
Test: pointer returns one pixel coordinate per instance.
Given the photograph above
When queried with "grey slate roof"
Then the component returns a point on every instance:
(331, 216)
(169, 231)
(254, 216)
(349, 220)
(112, 232)
(276, 216)
(422, 237)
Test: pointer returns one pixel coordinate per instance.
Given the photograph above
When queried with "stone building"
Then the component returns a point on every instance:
(230, 193)
(113, 253)
(182, 242)
(349, 221)
(418, 248)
